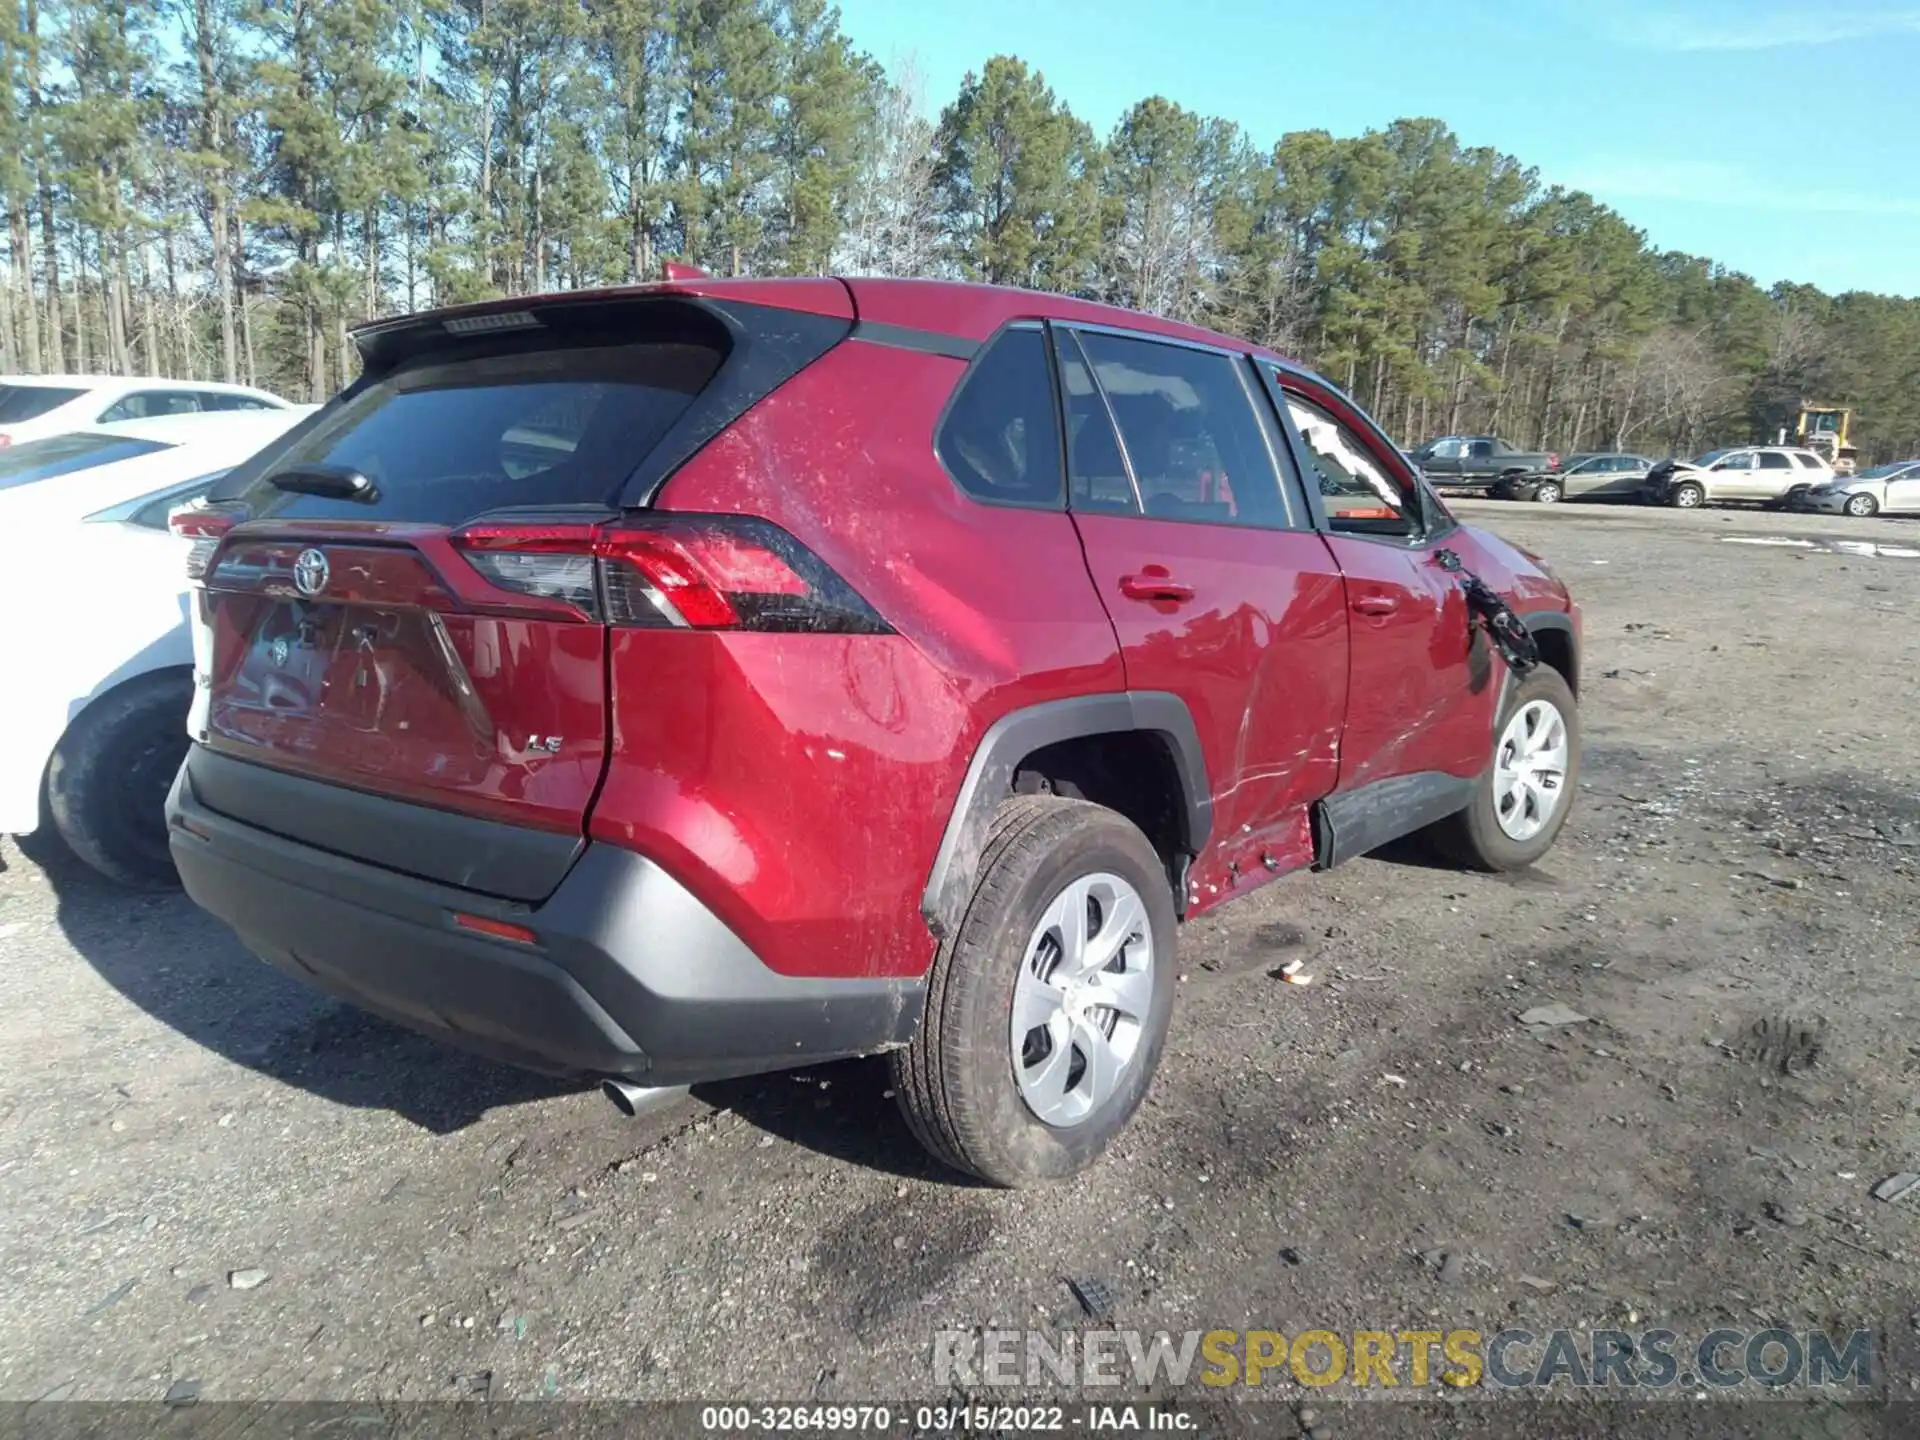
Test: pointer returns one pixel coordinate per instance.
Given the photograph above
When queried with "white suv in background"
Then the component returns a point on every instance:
(35, 406)
(1768, 474)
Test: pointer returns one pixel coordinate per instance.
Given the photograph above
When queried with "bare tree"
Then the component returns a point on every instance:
(1672, 386)
(894, 226)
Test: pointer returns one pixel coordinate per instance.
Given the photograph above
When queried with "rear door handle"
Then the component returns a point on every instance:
(1376, 605)
(1155, 582)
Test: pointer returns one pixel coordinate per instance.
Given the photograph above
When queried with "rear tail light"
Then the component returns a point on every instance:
(695, 572)
(5, 440)
(1553, 460)
(203, 525)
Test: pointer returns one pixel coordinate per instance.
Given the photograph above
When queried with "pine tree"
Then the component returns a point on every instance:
(1018, 182)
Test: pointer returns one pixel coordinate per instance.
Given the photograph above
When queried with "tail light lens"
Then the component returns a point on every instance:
(5, 440)
(203, 525)
(1553, 460)
(693, 572)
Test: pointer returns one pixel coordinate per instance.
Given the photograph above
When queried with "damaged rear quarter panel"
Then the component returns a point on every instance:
(809, 814)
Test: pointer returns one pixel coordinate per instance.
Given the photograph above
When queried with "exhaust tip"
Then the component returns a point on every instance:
(631, 1099)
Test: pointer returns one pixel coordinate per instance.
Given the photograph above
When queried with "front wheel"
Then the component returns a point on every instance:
(1687, 496)
(1048, 1007)
(1525, 794)
(1861, 506)
(1547, 492)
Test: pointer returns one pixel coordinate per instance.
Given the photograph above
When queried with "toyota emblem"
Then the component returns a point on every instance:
(310, 572)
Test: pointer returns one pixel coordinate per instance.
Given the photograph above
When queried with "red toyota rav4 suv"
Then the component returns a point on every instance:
(707, 678)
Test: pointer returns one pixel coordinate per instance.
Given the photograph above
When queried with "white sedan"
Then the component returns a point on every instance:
(1884, 490)
(96, 644)
(35, 406)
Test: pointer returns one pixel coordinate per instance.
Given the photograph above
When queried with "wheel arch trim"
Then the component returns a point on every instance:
(1017, 734)
(1558, 622)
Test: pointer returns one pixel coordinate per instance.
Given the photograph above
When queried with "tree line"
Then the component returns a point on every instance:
(223, 188)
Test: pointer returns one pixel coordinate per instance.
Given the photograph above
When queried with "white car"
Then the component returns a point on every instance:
(1766, 473)
(35, 406)
(1884, 490)
(96, 648)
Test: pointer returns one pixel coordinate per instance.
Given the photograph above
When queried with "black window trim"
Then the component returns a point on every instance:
(980, 354)
(1289, 487)
(1067, 336)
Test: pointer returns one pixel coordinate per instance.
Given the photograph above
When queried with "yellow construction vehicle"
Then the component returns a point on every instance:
(1824, 429)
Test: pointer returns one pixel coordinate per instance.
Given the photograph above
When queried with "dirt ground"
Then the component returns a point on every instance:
(1733, 908)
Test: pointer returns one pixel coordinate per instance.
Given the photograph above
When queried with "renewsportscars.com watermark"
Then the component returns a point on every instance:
(1748, 1361)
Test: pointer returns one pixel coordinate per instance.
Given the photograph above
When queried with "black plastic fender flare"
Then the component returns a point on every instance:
(1016, 735)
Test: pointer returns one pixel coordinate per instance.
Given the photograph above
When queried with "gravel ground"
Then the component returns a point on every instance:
(1733, 907)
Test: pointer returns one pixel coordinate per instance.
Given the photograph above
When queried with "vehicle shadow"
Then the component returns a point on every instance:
(844, 1110)
(187, 971)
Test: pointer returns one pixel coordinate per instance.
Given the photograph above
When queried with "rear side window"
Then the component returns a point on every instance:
(145, 404)
(1193, 442)
(1000, 440)
(20, 403)
(64, 454)
(1808, 460)
(443, 442)
(221, 400)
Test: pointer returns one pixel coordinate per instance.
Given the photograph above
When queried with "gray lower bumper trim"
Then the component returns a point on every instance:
(632, 975)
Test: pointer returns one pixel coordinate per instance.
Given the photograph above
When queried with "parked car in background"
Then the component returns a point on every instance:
(1611, 476)
(1892, 489)
(114, 461)
(35, 406)
(1480, 460)
(93, 636)
(1766, 474)
(694, 680)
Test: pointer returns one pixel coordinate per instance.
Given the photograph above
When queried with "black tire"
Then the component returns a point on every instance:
(1547, 492)
(955, 1083)
(1862, 506)
(1473, 837)
(107, 783)
(1687, 495)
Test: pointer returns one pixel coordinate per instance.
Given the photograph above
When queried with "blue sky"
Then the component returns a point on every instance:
(1781, 137)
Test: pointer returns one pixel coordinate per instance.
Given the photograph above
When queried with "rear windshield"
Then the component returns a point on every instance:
(443, 442)
(29, 402)
(63, 454)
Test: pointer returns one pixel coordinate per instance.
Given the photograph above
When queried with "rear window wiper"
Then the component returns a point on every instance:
(334, 482)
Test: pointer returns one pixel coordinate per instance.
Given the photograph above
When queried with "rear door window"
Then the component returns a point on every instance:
(20, 403)
(1096, 470)
(1194, 445)
(443, 442)
(145, 404)
(1773, 460)
(1001, 440)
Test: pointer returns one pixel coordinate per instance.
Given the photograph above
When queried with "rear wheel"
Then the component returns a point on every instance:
(1862, 505)
(1524, 795)
(108, 780)
(1687, 495)
(1048, 1007)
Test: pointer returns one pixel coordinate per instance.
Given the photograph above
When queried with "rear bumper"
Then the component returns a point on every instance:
(630, 975)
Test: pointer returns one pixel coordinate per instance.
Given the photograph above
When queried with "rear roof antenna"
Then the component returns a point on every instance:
(680, 270)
